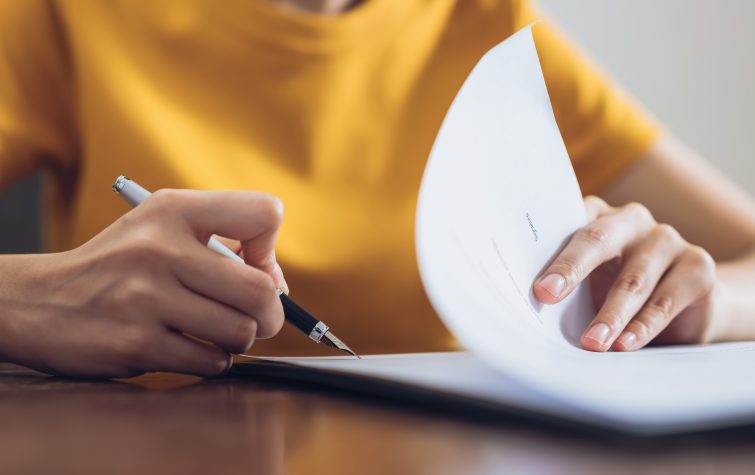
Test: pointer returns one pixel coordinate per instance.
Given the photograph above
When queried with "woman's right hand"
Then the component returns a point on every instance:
(146, 294)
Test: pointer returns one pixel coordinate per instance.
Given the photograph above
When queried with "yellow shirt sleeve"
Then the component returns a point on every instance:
(603, 128)
(36, 124)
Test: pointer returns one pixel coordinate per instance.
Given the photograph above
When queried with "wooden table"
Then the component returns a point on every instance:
(164, 423)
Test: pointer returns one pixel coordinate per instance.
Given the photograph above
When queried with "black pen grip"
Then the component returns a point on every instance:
(297, 316)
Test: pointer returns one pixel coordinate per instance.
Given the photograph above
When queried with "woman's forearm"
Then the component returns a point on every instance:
(735, 319)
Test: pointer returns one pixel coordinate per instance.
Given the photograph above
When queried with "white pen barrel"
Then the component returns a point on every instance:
(132, 193)
(218, 247)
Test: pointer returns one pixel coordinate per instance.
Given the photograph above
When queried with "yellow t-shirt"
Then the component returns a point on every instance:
(334, 114)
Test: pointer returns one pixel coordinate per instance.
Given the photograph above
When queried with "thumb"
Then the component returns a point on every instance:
(255, 255)
(259, 251)
(252, 218)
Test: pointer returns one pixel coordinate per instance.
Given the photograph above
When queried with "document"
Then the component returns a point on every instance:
(498, 200)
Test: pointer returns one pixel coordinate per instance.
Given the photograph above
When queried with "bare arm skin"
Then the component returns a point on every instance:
(670, 251)
(679, 188)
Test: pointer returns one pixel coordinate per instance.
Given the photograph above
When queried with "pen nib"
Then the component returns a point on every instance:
(332, 341)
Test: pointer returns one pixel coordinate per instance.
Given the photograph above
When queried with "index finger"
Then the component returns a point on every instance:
(239, 215)
(251, 217)
(598, 242)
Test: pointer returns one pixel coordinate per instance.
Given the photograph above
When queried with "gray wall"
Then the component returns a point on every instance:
(689, 61)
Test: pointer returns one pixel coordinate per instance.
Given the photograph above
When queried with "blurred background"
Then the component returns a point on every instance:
(688, 61)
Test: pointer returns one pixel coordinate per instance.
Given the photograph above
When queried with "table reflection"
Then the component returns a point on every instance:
(177, 424)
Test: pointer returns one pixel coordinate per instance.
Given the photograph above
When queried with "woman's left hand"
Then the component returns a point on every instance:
(647, 282)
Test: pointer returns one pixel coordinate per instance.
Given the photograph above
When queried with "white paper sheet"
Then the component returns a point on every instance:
(464, 374)
(498, 200)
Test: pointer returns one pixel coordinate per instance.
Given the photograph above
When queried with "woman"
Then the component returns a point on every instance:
(332, 110)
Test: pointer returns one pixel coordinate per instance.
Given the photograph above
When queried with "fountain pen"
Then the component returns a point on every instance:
(317, 331)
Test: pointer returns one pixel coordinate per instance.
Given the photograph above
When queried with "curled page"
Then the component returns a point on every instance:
(498, 200)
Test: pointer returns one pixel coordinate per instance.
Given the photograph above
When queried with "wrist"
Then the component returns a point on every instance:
(12, 315)
(17, 276)
(719, 320)
(24, 280)
(733, 317)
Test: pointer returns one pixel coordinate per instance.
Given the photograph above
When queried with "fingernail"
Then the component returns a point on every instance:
(627, 340)
(280, 280)
(228, 365)
(554, 284)
(598, 333)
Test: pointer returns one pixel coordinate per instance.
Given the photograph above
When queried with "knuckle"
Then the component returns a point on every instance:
(654, 316)
(131, 347)
(595, 203)
(632, 282)
(594, 235)
(244, 335)
(145, 245)
(267, 263)
(701, 258)
(166, 197)
(270, 209)
(668, 232)
(660, 307)
(146, 250)
(134, 293)
(705, 265)
(595, 200)
(639, 210)
(642, 328)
